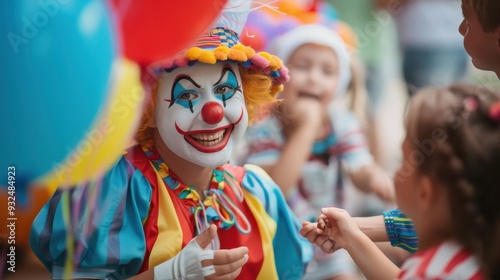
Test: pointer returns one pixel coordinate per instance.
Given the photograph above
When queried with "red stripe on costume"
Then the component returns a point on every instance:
(344, 148)
(185, 217)
(263, 146)
(231, 238)
(402, 274)
(477, 276)
(136, 156)
(350, 133)
(237, 172)
(427, 257)
(461, 256)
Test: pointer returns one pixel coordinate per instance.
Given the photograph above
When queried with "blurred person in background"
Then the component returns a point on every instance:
(377, 48)
(431, 48)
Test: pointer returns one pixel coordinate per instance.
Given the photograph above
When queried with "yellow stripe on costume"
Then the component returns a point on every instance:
(169, 241)
(267, 229)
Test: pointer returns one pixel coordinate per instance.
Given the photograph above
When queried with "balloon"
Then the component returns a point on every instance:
(113, 131)
(292, 8)
(266, 26)
(158, 29)
(56, 59)
(254, 39)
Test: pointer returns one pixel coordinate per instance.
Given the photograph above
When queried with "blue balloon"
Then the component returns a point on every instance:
(56, 61)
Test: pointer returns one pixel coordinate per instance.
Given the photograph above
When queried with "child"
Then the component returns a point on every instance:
(481, 31)
(171, 208)
(307, 144)
(449, 190)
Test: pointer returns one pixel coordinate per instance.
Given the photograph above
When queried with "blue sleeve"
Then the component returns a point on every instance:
(104, 221)
(292, 251)
(400, 230)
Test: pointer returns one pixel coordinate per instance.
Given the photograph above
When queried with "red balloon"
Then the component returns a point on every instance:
(254, 39)
(153, 30)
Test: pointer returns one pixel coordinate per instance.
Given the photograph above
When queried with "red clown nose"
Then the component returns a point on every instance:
(212, 112)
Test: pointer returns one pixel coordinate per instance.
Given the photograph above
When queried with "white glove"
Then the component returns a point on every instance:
(187, 265)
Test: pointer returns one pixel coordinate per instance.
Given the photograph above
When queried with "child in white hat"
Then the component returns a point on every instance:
(309, 148)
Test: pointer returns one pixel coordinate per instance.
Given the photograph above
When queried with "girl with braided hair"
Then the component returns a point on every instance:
(448, 185)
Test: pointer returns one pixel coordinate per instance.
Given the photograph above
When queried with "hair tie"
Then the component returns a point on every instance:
(470, 104)
(494, 112)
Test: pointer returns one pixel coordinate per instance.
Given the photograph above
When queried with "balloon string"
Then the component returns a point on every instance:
(267, 5)
(259, 6)
(76, 201)
(68, 266)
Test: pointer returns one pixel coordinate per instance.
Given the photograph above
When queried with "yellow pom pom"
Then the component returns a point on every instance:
(237, 54)
(193, 53)
(221, 52)
(274, 63)
(278, 61)
(266, 55)
(239, 47)
(207, 57)
(250, 52)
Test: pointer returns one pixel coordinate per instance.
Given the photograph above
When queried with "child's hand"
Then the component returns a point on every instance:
(338, 225)
(310, 232)
(303, 112)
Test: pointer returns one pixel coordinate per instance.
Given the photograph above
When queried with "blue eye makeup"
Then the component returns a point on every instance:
(225, 88)
(187, 98)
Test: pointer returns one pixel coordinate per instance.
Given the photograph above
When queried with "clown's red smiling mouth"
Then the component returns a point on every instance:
(209, 141)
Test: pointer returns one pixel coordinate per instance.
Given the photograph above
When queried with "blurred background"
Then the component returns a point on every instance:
(53, 48)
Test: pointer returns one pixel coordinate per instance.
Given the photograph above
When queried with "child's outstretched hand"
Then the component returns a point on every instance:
(310, 232)
(338, 225)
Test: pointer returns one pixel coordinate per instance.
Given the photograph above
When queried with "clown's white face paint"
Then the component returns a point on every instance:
(200, 112)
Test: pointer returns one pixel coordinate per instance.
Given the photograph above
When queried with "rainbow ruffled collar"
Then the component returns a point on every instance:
(217, 207)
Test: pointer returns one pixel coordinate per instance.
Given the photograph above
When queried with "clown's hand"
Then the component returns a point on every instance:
(195, 262)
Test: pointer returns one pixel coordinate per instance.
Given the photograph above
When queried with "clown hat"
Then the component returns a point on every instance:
(286, 44)
(221, 43)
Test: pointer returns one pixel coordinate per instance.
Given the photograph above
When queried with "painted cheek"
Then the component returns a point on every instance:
(212, 112)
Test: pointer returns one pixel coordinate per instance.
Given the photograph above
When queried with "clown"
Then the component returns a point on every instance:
(173, 206)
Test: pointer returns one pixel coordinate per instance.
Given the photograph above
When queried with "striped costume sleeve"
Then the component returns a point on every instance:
(107, 220)
(351, 141)
(292, 252)
(400, 230)
(264, 142)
